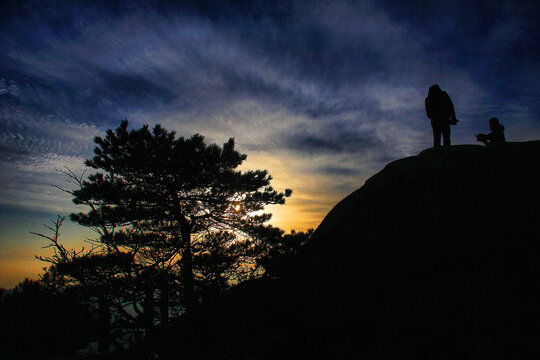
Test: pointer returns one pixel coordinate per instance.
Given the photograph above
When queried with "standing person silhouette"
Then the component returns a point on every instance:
(440, 109)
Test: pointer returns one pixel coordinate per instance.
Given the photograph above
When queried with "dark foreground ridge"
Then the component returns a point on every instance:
(436, 256)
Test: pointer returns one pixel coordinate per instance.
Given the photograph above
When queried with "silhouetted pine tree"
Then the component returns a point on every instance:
(162, 198)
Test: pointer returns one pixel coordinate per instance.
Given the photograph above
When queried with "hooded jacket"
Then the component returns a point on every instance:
(439, 106)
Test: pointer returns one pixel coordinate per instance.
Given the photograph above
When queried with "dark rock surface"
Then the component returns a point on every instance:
(436, 257)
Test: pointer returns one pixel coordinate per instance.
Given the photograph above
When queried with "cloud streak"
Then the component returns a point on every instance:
(315, 84)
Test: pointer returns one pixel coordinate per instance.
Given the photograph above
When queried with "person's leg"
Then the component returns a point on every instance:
(436, 135)
(446, 134)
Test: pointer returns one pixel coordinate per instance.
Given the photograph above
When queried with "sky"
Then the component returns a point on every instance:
(323, 94)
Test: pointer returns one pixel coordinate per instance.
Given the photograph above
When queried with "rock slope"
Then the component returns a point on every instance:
(436, 256)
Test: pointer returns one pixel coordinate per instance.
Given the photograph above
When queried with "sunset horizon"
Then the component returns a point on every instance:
(322, 95)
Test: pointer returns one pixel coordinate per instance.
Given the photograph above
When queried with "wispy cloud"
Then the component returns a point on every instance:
(322, 94)
(335, 89)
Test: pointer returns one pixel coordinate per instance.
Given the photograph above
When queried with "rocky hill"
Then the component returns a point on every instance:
(436, 256)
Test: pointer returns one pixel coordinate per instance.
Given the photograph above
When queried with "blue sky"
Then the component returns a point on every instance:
(322, 94)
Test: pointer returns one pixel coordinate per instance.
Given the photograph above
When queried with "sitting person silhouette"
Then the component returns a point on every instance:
(440, 110)
(496, 136)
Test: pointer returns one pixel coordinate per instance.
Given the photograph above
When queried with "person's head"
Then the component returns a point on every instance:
(493, 123)
(434, 89)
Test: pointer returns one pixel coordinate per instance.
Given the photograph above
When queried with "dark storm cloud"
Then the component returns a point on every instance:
(496, 42)
(132, 88)
(338, 170)
(301, 61)
(334, 140)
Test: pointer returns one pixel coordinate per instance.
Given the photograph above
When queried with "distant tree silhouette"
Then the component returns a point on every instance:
(279, 258)
(97, 276)
(174, 216)
(118, 294)
(40, 321)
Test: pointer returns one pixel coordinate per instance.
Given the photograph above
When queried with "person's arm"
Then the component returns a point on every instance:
(496, 136)
(451, 109)
(483, 138)
(428, 107)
